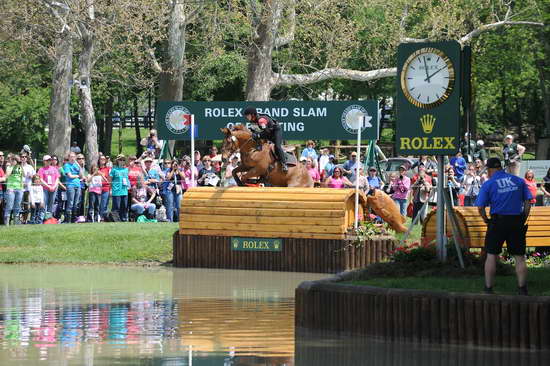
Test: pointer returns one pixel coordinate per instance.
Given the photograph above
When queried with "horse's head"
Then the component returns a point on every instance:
(234, 139)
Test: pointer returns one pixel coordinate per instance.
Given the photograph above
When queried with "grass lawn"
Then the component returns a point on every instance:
(538, 281)
(129, 243)
(127, 143)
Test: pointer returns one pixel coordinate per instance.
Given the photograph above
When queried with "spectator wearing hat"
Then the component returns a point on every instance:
(374, 180)
(74, 148)
(207, 175)
(350, 166)
(228, 176)
(309, 151)
(151, 174)
(49, 177)
(400, 187)
(171, 189)
(73, 173)
(512, 153)
(509, 200)
(120, 184)
(480, 152)
(28, 173)
(329, 167)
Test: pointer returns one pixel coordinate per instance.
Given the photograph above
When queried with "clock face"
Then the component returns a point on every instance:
(427, 77)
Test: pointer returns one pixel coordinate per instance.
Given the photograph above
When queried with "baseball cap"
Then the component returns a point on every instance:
(147, 159)
(353, 153)
(121, 157)
(371, 169)
(480, 142)
(46, 157)
(494, 163)
(509, 137)
(303, 158)
(403, 167)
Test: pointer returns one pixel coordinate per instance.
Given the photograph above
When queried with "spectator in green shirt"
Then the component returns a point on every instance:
(14, 190)
(120, 183)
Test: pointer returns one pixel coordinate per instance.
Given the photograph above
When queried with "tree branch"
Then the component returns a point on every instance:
(289, 37)
(487, 27)
(154, 61)
(332, 73)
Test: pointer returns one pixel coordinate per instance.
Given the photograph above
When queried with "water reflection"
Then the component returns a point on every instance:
(328, 350)
(106, 315)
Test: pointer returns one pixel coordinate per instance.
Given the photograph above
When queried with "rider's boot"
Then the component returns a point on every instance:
(285, 167)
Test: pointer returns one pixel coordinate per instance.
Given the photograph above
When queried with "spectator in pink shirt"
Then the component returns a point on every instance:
(313, 172)
(187, 168)
(49, 178)
(401, 187)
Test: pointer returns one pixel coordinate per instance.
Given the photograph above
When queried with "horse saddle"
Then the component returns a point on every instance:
(290, 157)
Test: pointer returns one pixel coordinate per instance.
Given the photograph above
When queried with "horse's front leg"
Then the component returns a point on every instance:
(239, 169)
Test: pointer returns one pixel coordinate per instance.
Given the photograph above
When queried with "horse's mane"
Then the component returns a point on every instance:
(240, 128)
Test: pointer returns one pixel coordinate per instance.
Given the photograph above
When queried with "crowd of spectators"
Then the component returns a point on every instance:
(148, 188)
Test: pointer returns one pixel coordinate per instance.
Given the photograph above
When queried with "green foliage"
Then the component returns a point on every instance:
(23, 118)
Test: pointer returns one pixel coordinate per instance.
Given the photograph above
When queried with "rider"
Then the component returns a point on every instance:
(270, 130)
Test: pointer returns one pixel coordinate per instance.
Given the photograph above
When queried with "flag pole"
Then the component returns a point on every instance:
(193, 150)
(357, 163)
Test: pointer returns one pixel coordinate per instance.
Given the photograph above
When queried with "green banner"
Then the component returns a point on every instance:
(256, 244)
(299, 120)
(429, 80)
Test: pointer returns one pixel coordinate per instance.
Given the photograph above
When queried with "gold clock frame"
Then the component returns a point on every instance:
(447, 92)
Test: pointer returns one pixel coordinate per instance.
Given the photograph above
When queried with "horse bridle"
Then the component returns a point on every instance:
(234, 142)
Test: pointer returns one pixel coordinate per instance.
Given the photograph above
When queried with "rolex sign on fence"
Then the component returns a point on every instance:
(300, 120)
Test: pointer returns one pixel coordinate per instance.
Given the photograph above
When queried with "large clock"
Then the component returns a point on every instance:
(427, 77)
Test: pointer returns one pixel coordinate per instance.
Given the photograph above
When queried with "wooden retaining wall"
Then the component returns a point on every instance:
(274, 212)
(297, 255)
(424, 316)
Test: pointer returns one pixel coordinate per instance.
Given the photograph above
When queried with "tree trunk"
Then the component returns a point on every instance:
(108, 126)
(171, 78)
(139, 148)
(86, 105)
(59, 121)
(260, 80)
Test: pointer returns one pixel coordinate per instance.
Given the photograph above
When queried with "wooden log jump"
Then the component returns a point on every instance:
(473, 228)
(308, 213)
(274, 229)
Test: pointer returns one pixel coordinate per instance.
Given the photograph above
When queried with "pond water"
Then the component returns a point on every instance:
(103, 315)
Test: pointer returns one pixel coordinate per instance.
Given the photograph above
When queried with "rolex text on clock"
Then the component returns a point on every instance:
(427, 77)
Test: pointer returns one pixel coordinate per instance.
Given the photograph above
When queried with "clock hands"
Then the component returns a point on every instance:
(426, 69)
(435, 72)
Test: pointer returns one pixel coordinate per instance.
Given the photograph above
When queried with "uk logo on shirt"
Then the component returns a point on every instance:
(506, 185)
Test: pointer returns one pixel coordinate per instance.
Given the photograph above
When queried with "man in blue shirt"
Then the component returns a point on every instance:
(459, 165)
(509, 199)
(350, 166)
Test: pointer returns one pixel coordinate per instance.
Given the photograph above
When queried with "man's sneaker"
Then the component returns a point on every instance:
(488, 290)
(523, 291)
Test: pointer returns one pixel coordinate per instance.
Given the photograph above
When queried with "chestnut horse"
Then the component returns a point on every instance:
(260, 163)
